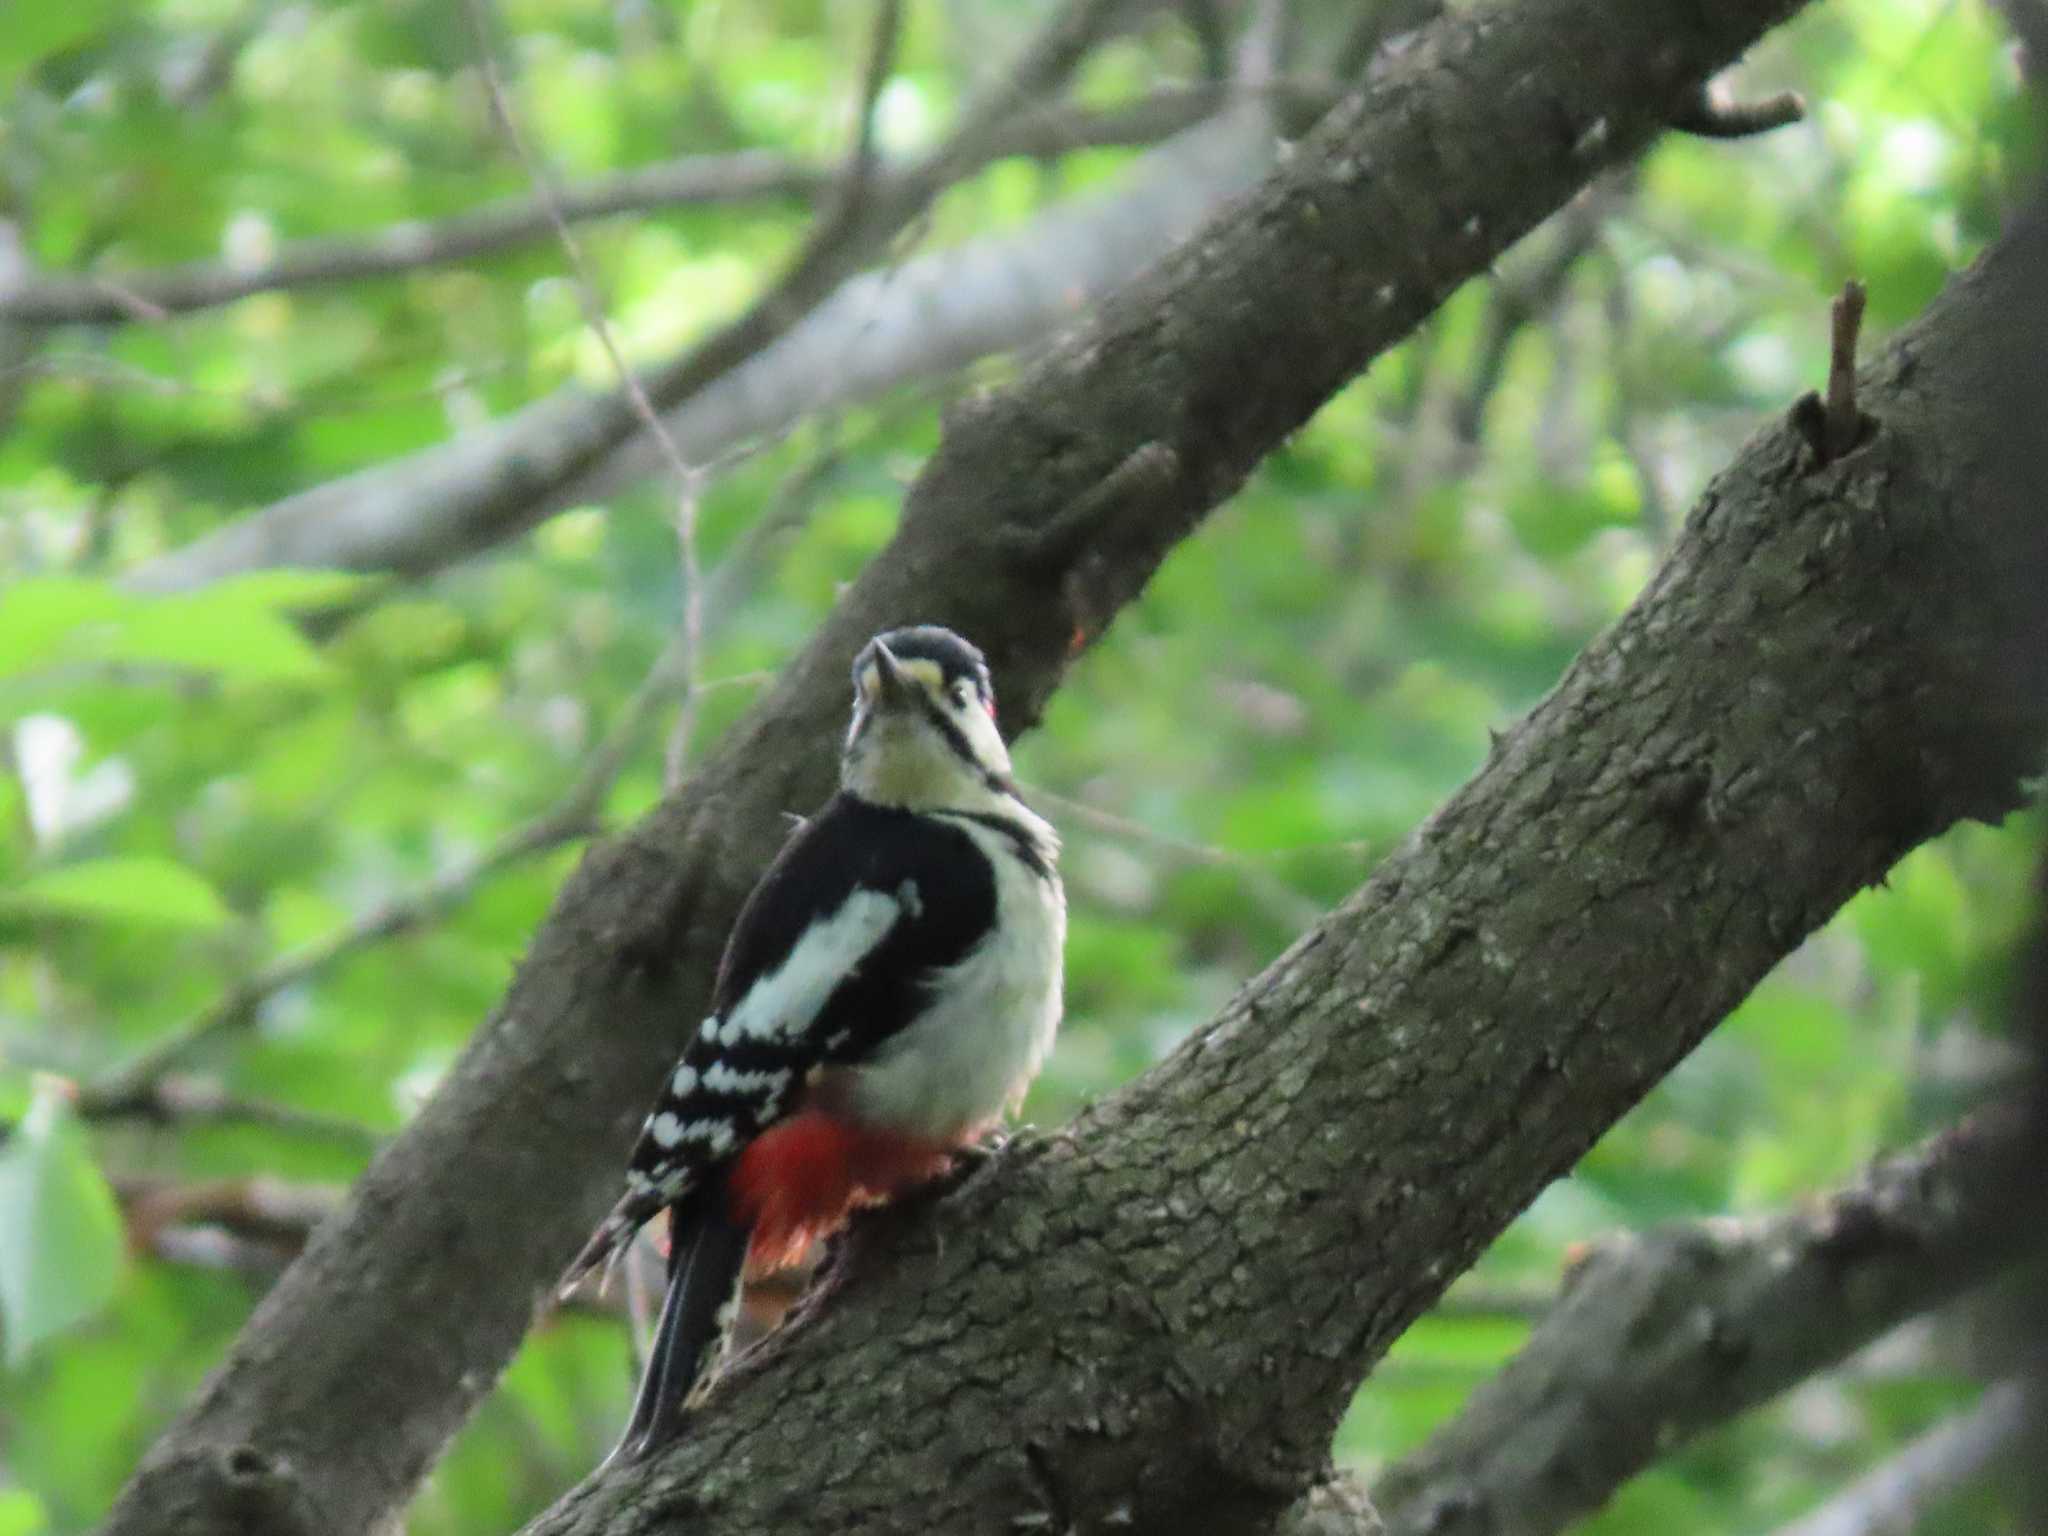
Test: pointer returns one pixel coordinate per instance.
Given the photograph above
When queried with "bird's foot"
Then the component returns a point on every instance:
(973, 1156)
(969, 1161)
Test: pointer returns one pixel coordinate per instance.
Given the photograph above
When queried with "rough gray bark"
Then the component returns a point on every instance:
(1657, 1337)
(1045, 510)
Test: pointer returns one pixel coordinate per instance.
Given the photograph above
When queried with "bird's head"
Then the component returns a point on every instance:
(924, 731)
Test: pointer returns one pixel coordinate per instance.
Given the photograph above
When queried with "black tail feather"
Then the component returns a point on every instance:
(706, 1252)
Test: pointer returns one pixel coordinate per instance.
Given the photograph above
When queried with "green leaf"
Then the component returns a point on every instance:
(287, 590)
(39, 616)
(21, 1513)
(236, 629)
(129, 890)
(32, 30)
(214, 634)
(60, 1231)
(1920, 922)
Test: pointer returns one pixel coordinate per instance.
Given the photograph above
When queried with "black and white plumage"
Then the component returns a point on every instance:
(891, 987)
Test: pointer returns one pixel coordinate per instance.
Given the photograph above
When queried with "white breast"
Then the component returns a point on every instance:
(971, 1055)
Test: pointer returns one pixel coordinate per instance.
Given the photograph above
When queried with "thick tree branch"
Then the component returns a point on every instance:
(1158, 1317)
(315, 1422)
(1655, 1338)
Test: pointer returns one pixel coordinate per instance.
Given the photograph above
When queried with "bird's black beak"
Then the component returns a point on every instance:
(892, 684)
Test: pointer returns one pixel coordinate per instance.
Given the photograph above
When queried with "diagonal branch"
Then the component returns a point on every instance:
(1155, 1320)
(1656, 1338)
(1470, 139)
(1893, 1498)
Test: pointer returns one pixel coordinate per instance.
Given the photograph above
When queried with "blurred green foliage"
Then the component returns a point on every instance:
(200, 784)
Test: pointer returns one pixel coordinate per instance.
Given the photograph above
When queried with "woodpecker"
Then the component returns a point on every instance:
(890, 989)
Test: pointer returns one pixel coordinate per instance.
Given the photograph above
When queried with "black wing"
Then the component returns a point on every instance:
(832, 954)
(941, 880)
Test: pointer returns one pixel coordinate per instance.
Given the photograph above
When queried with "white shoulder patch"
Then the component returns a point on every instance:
(783, 1002)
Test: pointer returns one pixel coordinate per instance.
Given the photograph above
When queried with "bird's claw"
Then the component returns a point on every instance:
(970, 1160)
(976, 1155)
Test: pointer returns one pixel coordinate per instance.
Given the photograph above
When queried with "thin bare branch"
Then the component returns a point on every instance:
(547, 194)
(1521, 298)
(1713, 113)
(881, 59)
(791, 505)
(1835, 425)
(1282, 902)
(253, 1225)
(1625, 419)
(274, 1212)
(1897, 1496)
(137, 1084)
(752, 175)
(115, 298)
(572, 817)
(1844, 421)
(689, 478)
(685, 660)
(180, 1099)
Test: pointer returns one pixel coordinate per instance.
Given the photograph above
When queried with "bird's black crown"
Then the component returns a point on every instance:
(954, 657)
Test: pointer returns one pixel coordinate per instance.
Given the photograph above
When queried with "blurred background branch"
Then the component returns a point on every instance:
(1656, 1336)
